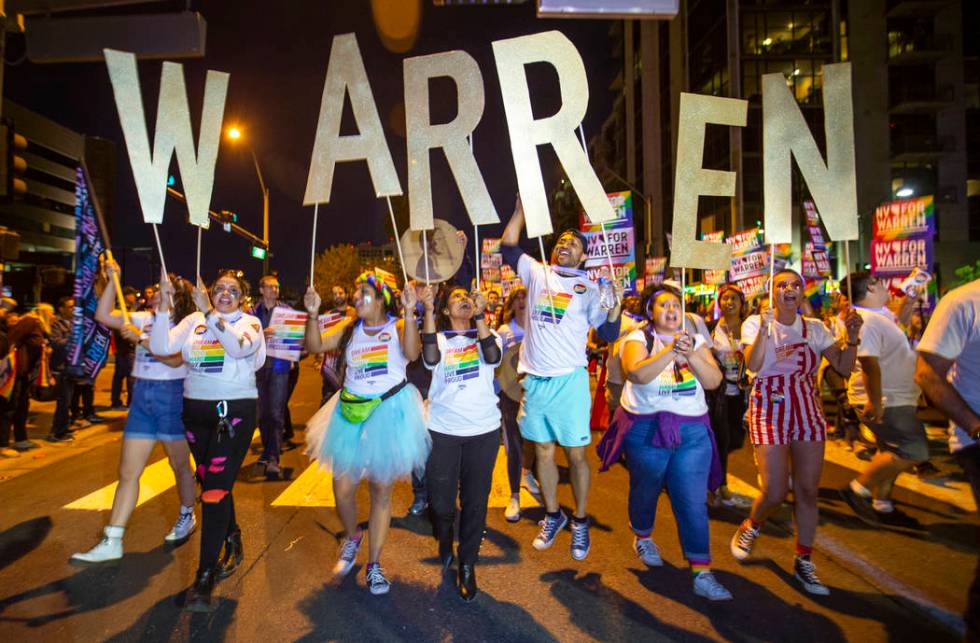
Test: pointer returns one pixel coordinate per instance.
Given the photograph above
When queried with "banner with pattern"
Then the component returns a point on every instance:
(88, 347)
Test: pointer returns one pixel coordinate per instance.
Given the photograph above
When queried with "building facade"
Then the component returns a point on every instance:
(915, 106)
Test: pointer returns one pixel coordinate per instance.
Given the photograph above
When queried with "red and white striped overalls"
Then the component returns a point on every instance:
(784, 405)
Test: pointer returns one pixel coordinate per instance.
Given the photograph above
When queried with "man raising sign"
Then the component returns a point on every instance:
(564, 304)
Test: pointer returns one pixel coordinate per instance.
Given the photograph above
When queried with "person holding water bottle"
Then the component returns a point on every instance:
(564, 304)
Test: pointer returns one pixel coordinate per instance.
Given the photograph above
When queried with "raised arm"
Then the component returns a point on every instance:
(165, 340)
(512, 232)
(408, 328)
(842, 357)
(431, 355)
(488, 342)
(328, 340)
(104, 313)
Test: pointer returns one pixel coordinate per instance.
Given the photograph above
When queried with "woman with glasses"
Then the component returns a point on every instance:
(662, 427)
(786, 422)
(154, 415)
(223, 347)
(373, 427)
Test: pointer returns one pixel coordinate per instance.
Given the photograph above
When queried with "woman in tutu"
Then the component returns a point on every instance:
(372, 428)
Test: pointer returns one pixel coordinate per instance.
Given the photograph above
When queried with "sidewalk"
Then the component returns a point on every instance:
(86, 438)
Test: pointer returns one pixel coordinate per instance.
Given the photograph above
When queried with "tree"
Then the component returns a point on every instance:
(336, 266)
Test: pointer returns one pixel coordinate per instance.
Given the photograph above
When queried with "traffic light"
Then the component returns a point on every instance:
(229, 216)
(13, 165)
(258, 252)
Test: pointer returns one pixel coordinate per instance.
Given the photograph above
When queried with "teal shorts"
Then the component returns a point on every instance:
(556, 409)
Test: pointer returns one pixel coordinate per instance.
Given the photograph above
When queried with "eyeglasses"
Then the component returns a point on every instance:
(231, 290)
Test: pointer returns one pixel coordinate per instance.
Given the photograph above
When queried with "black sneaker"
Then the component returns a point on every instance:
(94, 418)
(61, 437)
(807, 575)
(419, 505)
(861, 506)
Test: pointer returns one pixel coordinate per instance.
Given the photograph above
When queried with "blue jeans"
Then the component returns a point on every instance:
(273, 393)
(684, 470)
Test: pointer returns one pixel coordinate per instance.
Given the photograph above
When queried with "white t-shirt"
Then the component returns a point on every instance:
(375, 363)
(673, 390)
(462, 400)
(954, 333)
(511, 333)
(614, 365)
(882, 338)
(221, 362)
(818, 337)
(554, 342)
(146, 366)
(729, 351)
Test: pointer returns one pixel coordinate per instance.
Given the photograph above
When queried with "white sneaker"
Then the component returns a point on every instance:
(883, 506)
(513, 511)
(182, 529)
(529, 482)
(706, 585)
(648, 552)
(348, 555)
(110, 548)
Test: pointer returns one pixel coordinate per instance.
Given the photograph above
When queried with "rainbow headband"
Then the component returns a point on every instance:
(378, 284)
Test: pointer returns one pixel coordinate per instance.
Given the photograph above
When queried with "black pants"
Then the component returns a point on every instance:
(513, 442)
(66, 387)
(6, 407)
(287, 422)
(727, 412)
(969, 459)
(217, 457)
(21, 405)
(83, 400)
(463, 465)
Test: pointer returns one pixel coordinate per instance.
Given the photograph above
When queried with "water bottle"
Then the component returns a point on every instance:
(607, 296)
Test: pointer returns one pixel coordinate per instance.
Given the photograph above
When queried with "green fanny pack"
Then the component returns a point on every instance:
(357, 409)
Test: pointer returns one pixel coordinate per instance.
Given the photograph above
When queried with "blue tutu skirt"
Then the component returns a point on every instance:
(391, 444)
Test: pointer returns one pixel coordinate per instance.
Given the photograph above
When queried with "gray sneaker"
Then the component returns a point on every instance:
(706, 585)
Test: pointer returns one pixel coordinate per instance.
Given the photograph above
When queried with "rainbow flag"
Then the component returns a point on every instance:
(369, 361)
(462, 363)
(207, 356)
(543, 310)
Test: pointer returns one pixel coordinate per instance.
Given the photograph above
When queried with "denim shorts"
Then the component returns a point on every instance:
(154, 410)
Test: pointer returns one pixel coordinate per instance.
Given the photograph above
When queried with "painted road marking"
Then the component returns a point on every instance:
(313, 488)
(500, 486)
(156, 478)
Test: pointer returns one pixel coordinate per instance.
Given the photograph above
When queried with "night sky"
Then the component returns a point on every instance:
(277, 59)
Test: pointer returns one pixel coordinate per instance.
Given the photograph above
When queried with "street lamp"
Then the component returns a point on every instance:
(234, 134)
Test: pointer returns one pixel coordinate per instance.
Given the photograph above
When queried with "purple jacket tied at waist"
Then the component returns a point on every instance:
(667, 436)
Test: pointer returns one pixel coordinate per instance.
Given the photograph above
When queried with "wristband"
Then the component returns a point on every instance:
(428, 339)
(479, 317)
(854, 343)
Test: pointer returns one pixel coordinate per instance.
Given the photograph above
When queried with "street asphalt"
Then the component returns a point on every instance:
(887, 584)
